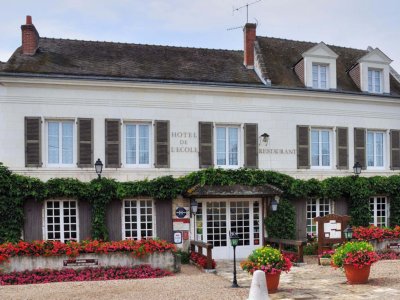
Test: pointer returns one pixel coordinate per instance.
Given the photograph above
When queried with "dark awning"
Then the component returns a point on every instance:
(237, 190)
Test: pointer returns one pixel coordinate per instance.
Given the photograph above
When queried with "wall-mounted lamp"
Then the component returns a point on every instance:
(98, 167)
(264, 138)
(357, 168)
(274, 203)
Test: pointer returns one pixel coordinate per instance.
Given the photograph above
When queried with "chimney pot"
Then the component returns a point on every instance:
(249, 31)
(28, 20)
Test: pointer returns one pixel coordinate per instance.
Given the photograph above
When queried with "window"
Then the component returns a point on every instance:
(321, 148)
(374, 81)
(375, 149)
(227, 146)
(316, 208)
(60, 146)
(137, 144)
(320, 76)
(379, 208)
(61, 220)
(138, 219)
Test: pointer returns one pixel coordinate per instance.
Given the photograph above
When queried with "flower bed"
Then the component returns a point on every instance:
(88, 274)
(74, 249)
(375, 233)
(201, 260)
(388, 255)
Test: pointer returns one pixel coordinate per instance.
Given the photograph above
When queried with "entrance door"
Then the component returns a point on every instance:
(217, 217)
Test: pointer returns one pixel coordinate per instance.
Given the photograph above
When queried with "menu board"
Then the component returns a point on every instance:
(333, 230)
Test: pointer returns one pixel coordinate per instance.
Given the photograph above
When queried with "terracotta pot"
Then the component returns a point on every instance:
(357, 276)
(272, 282)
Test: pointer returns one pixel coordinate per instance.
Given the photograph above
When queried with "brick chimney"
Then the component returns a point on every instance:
(30, 37)
(249, 31)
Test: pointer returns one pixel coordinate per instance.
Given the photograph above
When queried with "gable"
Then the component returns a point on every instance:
(375, 56)
(320, 50)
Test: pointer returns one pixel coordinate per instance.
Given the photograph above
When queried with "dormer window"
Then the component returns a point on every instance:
(374, 81)
(320, 76)
(317, 68)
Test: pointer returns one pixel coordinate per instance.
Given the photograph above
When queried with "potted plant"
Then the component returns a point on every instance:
(269, 260)
(326, 257)
(356, 259)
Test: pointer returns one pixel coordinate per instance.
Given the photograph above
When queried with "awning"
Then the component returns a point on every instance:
(237, 190)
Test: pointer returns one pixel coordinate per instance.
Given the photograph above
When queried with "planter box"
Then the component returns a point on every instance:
(392, 245)
(164, 260)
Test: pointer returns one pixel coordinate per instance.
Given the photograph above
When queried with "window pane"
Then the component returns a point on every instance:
(221, 146)
(130, 144)
(233, 146)
(369, 81)
(144, 147)
(377, 81)
(53, 143)
(370, 149)
(67, 142)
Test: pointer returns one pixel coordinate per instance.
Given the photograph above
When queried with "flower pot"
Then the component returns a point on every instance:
(272, 282)
(324, 261)
(355, 275)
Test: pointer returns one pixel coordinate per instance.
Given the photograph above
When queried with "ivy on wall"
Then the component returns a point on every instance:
(285, 214)
(15, 189)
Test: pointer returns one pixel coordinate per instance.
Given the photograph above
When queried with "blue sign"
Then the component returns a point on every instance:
(180, 212)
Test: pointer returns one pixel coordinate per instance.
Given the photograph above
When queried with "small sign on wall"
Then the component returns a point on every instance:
(177, 237)
(180, 212)
(80, 262)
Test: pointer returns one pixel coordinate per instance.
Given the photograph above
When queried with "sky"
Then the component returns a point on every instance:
(204, 23)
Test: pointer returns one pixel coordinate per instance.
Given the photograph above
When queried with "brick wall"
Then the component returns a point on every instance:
(249, 39)
(299, 69)
(356, 76)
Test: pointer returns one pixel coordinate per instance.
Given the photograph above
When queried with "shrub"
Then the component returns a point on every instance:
(201, 260)
(185, 256)
(311, 249)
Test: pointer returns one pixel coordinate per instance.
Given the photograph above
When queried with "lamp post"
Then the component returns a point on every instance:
(357, 168)
(98, 167)
(348, 233)
(193, 208)
(234, 242)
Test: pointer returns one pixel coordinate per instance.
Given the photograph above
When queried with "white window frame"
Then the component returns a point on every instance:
(318, 79)
(384, 154)
(240, 150)
(61, 208)
(373, 81)
(138, 216)
(374, 212)
(320, 166)
(74, 143)
(317, 211)
(124, 156)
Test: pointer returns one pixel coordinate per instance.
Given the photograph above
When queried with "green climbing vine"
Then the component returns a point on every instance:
(16, 189)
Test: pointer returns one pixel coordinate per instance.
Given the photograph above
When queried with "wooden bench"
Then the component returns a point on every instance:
(299, 244)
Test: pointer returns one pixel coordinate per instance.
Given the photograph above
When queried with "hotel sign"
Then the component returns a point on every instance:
(184, 142)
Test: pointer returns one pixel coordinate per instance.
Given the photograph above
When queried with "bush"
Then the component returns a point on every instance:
(185, 256)
(311, 249)
(281, 224)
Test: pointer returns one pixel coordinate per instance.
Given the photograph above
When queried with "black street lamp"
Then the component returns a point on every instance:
(193, 208)
(98, 167)
(348, 233)
(234, 242)
(357, 168)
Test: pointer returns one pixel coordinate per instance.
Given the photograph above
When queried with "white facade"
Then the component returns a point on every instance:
(276, 111)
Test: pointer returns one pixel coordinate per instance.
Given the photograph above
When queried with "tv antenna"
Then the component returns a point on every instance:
(247, 9)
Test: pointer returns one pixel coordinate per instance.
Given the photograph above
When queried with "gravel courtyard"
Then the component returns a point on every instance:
(307, 282)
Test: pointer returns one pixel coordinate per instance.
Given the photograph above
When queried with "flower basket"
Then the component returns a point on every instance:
(355, 258)
(271, 262)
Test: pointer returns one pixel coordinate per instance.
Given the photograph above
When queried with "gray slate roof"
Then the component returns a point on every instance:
(87, 58)
(151, 62)
(281, 55)
(236, 190)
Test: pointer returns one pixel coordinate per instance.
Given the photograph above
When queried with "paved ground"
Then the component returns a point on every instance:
(312, 281)
(307, 282)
